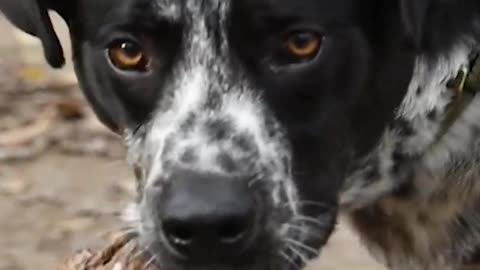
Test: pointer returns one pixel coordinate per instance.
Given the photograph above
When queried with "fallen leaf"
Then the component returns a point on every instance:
(122, 253)
(71, 108)
(32, 74)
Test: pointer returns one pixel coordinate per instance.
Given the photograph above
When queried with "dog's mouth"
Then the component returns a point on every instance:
(281, 240)
(288, 253)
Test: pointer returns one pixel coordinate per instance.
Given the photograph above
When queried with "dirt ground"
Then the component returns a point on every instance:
(61, 190)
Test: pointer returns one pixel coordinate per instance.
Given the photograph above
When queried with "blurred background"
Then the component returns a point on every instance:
(63, 178)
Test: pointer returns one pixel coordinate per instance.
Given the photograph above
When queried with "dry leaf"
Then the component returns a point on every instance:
(71, 108)
(32, 74)
(123, 253)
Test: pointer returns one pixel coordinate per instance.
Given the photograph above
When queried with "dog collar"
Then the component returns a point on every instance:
(468, 79)
(464, 87)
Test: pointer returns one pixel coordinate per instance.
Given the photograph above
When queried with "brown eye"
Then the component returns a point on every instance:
(304, 44)
(128, 55)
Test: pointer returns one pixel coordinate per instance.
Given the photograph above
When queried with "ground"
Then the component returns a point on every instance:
(61, 189)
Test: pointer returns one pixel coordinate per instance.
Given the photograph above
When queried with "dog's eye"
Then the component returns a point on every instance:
(128, 55)
(303, 45)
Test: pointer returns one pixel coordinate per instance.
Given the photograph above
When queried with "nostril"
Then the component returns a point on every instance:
(178, 234)
(232, 231)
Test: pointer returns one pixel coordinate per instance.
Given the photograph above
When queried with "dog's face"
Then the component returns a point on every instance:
(241, 117)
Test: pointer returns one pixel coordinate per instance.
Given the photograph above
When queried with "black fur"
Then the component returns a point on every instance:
(333, 122)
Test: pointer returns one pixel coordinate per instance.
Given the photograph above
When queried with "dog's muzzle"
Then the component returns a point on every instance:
(216, 186)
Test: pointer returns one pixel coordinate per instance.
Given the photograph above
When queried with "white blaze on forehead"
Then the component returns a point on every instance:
(244, 108)
(202, 70)
(168, 9)
(198, 73)
(192, 90)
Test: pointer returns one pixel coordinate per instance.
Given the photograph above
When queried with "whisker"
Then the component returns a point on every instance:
(312, 231)
(116, 231)
(257, 177)
(309, 203)
(253, 181)
(287, 258)
(303, 246)
(137, 254)
(310, 220)
(298, 205)
(297, 227)
(314, 203)
(298, 253)
(149, 262)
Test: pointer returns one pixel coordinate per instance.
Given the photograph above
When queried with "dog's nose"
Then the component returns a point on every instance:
(208, 216)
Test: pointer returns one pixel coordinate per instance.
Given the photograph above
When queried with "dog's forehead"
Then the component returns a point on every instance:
(174, 9)
(106, 12)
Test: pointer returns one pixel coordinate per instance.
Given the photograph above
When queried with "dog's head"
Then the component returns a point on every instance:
(242, 117)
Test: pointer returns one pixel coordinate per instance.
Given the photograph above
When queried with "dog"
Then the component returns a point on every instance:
(252, 125)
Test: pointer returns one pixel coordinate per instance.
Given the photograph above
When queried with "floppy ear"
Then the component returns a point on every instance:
(414, 16)
(31, 16)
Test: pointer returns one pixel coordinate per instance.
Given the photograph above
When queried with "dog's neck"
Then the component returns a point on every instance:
(435, 99)
(421, 137)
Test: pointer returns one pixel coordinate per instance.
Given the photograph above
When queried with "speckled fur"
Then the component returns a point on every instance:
(434, 223)
(295, 139)
(208, 123)
(412, 199)
(208, 120)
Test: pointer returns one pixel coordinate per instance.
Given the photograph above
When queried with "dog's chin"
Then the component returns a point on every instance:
(263, 258)
(273, 253)
(165, 260)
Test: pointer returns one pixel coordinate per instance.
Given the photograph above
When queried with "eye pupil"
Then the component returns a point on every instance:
(302, 40)
(128, 55)
(130, 49)
(303, 45)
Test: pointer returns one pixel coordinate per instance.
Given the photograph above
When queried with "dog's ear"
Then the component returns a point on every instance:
(414, 16)
(31, 16)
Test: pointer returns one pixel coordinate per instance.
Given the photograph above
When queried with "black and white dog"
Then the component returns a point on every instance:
(251, 124)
